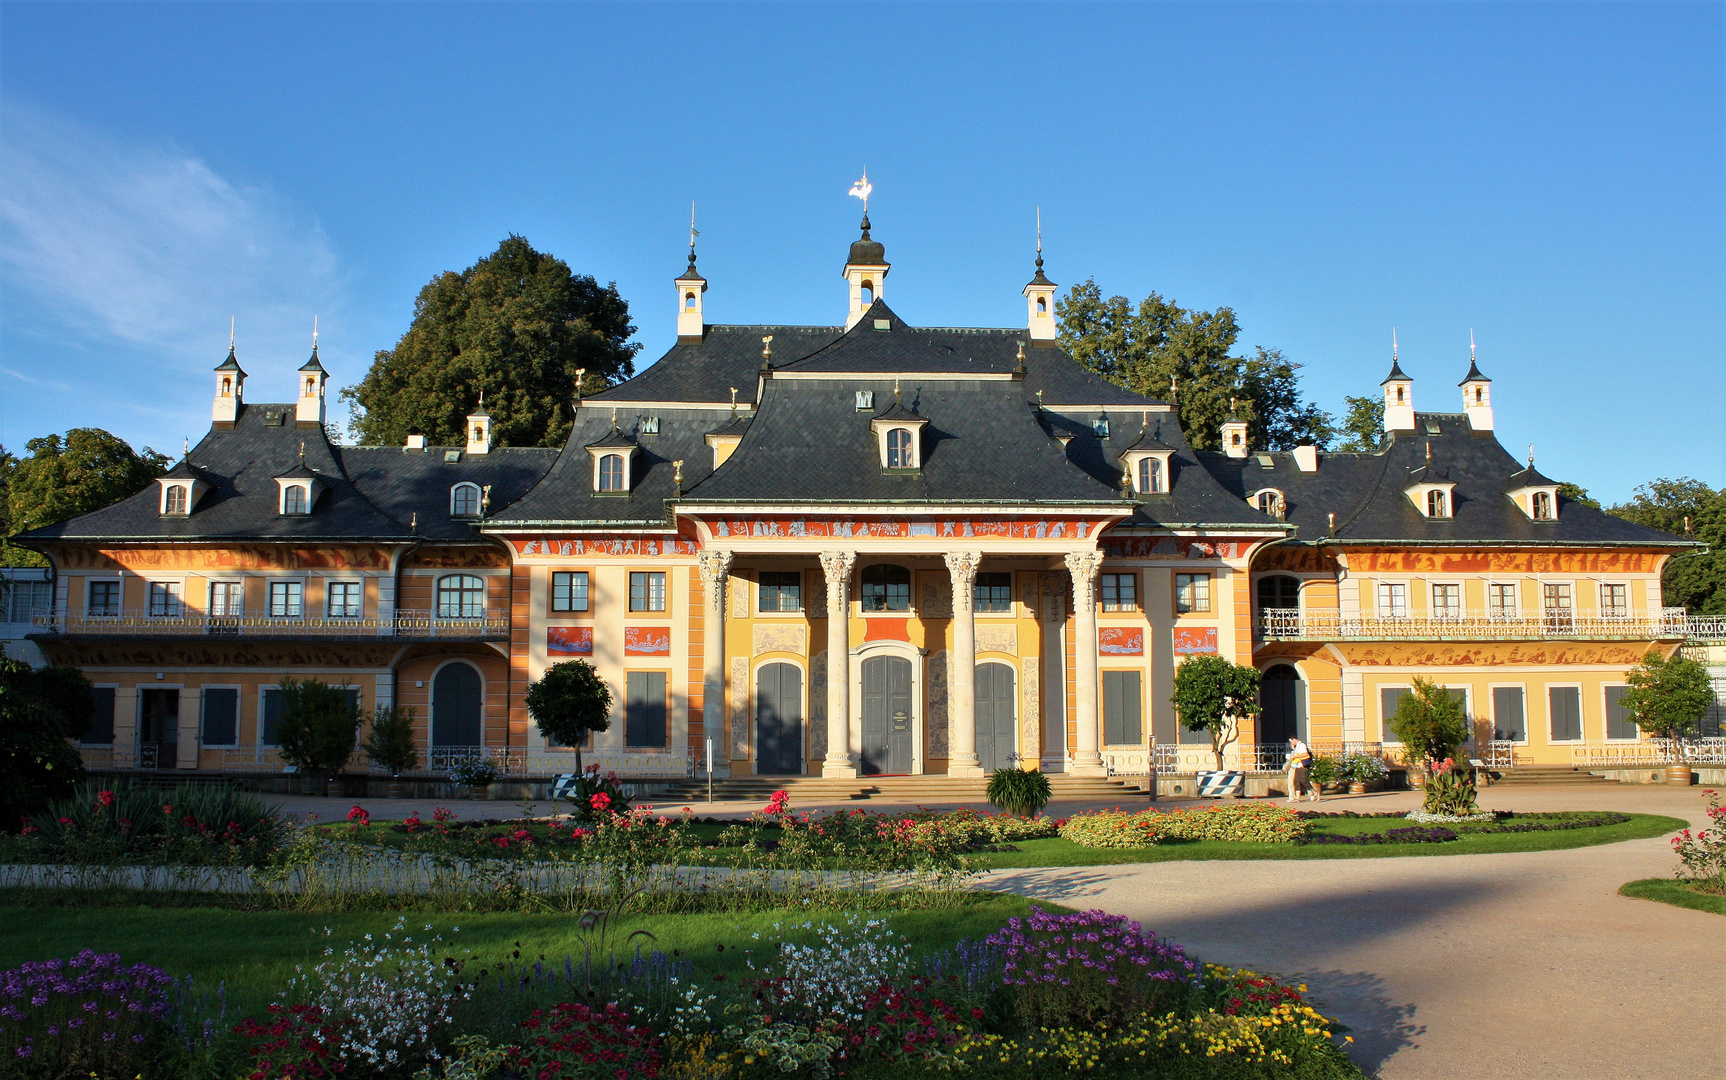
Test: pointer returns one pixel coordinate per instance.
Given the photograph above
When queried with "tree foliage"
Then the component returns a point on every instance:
(569, 701)
(1696, 582)
(318, 726)
(1213, 694)
(1667, 697)
(1362, 423)
(1578, 494)
(516, 326)
(1430, 721)
(62, 478)
(390, 744)
(41, 712)
(1146, 347)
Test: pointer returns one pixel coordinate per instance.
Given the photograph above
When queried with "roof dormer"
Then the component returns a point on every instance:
(724, 440)
(1270, 502)
(1431, 490)
(1148, 462)
(297, 490)
(899, 436)
(181, 488)
(1533, 494)
(613, 461)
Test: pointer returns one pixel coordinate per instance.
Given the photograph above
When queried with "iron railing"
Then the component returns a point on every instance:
(1649, 753)
(435, 761)
(1276, 624)
(1197, 757)
(403, 624)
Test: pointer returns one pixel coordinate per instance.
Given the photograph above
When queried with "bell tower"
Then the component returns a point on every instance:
(690, 286)
(230, 389)
(1476, 393)
(309, 410)
(1398, 396)
(1040, 298)
(865, 274)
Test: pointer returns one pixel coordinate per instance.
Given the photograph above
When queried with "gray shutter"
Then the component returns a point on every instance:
(644, 723)
(1508, 717)
(1389, 699)
(272, 715)
(221, 717)
(102, 724)
(1132, 699)
(1619, 725)
(1566, 712)
(1112, 719)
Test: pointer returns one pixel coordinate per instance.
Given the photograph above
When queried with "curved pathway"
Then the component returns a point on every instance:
(1479, 966)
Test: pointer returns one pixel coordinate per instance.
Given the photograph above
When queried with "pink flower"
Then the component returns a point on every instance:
(600, 800)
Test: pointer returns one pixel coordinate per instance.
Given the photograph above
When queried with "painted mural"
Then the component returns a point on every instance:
(569, 640)
(1122, 640)
(1174, 547)
(647, 641)
(1015, 528)
(1195, 640)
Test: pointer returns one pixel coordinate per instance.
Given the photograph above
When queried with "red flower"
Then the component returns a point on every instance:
(600, 800)
(359, 816)
(106, 798)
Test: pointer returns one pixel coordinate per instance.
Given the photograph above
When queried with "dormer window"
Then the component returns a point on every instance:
(1541, 502)
(1270, 503)
(1435, 499)
(1437, 504)
(898, 436)
(611, 473)
(899, 452)
(296, 499)
(1150, 475)
(464, 500)
(175, 499)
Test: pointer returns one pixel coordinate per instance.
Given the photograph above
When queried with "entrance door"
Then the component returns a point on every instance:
(158, 728)
(779, 719)
(996, 738)
(1279, 693)
(456, 706)
(886, 715)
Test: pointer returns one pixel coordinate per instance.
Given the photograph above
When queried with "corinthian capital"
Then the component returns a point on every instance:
(962, 565)
(1084, 566)
(714, 564)
(836, 565)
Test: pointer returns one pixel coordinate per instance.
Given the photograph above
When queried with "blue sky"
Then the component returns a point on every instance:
(1549, 175)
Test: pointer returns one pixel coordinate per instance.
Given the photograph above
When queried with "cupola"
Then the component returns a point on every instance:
(181, 488)
(1476, 394)
(865, 274)
(479, 429)
(1040, 302)
(1533, 494)
(230, 391)
(1398, 396)
(1234, 433)
(899, 435)
(309, 410)
(1148, 461)
(690, 287)
(613, 461)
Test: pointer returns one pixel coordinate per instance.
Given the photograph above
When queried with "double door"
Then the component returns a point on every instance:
(158, 728)
(887, 712)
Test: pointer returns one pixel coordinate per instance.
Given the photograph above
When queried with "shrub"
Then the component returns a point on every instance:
(904, 1024)
(593, 796)
(1087, 968)
(1667, 697)
(90, 1015)
(1702, 857)
(1326, 770)
(833, 976)
(318, 727)
(1365, 768)
(475, 772)
(1112, 829)
(41, 712)
(390, 746)
(1212, 694)
(1430, 721)
(1450, 790)
(192, 823)
(296, 1041)
(1019, 791)
(1241, 823)
(568, 702)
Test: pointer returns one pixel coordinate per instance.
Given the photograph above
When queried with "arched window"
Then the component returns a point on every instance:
(1542, 503)
(886, 588)
(899, 449)
(1270, 503)
(1399, 395)
(227, 385)
(611, 472)
(175, 503)
(464, 500)
(1150, 475)
(1042, 305)
(1477, 397)
(868, 293)
(460, 596)
(311, 386)
(1279, 593)
(294, 499)
(1436, 504)
(689, 300)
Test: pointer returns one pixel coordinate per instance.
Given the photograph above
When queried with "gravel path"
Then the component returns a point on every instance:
(1477, 966)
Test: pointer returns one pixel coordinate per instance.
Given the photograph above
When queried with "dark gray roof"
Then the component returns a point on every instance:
(415, 484)
(312, 364)
(737, 425)
(1473, 375)
(898, 411)
(230, 364)
(1527, 477)
(1365, 492)
(1395, 373)
(613, 438)
(866, 252)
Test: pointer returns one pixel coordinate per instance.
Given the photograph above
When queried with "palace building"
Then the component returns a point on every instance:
(853, 550)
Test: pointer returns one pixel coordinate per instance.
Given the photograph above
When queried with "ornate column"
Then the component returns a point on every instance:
(1084, 566)
(715, 567)
(962, 675)
(836, 566)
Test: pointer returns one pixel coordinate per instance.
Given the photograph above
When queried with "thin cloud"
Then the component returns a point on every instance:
(148, 248)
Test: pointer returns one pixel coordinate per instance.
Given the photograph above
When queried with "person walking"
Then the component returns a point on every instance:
(1299, 758)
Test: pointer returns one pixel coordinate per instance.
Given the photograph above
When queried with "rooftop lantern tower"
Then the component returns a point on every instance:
(690, 285)
(1476, 393)
(1040, 297)
(309, 410)
(230, 388)
(866, 268)
(1398, 395)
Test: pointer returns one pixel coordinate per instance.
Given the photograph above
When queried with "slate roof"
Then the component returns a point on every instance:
(368, 492)
(1365, 491)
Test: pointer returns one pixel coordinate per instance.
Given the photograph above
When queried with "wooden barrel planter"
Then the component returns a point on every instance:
(1678, 775)
(1358, 787)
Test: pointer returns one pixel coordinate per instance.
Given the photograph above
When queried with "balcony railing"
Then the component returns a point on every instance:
(1292, 625)
(403, 624)
(435, 761)
(1649, 753)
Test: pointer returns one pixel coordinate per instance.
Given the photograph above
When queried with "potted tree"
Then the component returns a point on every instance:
(1667, 699)
(568, 702)
(1017, 791)
(318, 729)
(1431, 723)
(1212, 694)
(390, 746)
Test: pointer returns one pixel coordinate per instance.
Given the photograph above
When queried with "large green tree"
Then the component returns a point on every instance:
(62, 478)
(1362, 422)
(41, 711)
(1145, 348)
(1690, 508)
(516, 326)
(1212, 694)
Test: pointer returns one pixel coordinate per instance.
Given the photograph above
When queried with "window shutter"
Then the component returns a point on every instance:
(221, 717)
(1508, 715)
(1619, 725)
(1389, 698)
(102, 724)
(1566, 712)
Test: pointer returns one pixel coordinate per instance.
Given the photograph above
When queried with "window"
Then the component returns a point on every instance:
(1541, 502)
(647, 591)
(781, 590)
(1555, 600)
(344, 599)
(1389, 700)
(689, 301)
(1509, 718)
(1150, 475)
(1269, 502)
(1437, 505)
(26, 598)
(286, 599)
(1565, 713)
(464, 500)
(899, 449)
(1123, 708)
(1192, 593)
(174, 501)
(1042, 305)
(1614, 601)
(1619, 724)
(101, 731)
(1100, 427)
(644, 709)
(1447, 601)
(104, 598)
(165, 599)
(226, 597)
(460, 596)
(1279, 593)
(294, 499)
(1393, 600)
(569, 590)
(221, 716)
(886, 588)
(992, 593)
(1501, 601)
(611, 472)
(1120, 592)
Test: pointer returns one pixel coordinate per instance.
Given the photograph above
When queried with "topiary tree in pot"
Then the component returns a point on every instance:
(1022, 792)
(568, 702)
(318, 727)
(1667, 698)
(390, 745)
(1212, 694)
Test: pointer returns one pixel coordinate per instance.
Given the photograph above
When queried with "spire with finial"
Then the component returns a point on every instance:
(1019, 364)
(734, 401)
(767, 353)
(1396, 374)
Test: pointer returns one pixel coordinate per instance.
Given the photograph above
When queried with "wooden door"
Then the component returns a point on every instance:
(997, 740)
(887, 717)
(779, 719)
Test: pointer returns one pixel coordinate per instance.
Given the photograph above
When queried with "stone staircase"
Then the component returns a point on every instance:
(895, 789)
(1549, 774)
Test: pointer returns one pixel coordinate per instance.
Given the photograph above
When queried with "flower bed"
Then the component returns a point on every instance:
(1411, 835)
(1253, 823)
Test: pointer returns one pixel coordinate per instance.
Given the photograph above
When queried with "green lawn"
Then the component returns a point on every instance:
(1676, 893)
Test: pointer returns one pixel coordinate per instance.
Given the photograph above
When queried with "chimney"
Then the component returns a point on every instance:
(1306, 458)
(416, 441)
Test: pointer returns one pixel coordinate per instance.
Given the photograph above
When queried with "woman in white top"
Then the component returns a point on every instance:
(1298, 760)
